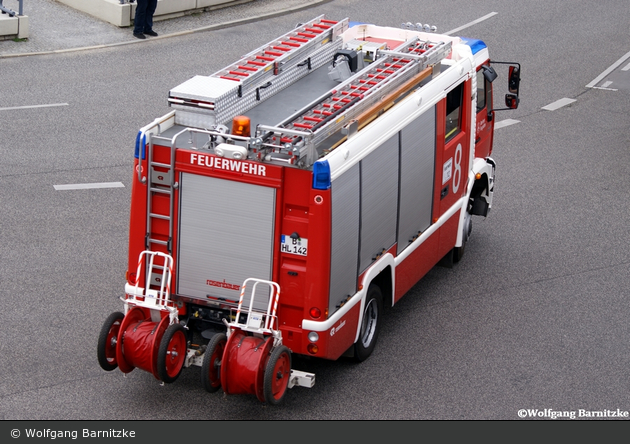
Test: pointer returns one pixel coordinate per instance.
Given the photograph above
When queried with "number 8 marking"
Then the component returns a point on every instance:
(457, 176)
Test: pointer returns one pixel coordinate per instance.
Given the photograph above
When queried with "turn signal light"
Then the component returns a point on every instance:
(312, 349)
(478, 176)
(241, 126)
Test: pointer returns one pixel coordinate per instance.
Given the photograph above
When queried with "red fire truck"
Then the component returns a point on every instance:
(286, 199)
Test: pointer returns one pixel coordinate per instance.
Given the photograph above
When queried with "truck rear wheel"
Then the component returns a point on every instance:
(370, 324)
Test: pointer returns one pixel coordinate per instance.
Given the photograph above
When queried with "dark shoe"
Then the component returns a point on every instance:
(139, 35)
(151, 33)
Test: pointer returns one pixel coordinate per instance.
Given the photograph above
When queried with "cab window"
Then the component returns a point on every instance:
(484, 91)
(453, 111)
(481, 91)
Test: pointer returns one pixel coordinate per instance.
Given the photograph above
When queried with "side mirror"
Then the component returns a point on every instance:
(511, 101)
(489, 73)
(514, 79)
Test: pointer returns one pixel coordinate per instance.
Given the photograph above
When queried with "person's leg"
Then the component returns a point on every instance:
(148, 22)
(140, 17)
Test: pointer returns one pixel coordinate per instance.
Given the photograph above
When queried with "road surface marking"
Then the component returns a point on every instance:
(504, 123)
(608, 71)
(87, 186)
(467, 25)
(558, 104)
(33, 106)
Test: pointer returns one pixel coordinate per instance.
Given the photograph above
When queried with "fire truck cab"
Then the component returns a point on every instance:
(286, 199)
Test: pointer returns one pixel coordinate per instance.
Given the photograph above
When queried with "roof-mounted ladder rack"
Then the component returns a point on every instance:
(329, 113)
(282, 53)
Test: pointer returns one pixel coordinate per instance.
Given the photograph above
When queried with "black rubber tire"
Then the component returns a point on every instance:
(370, 324)
(277, 375)
(171, 353)
(211, 366)
(106, 348)
(458, 252)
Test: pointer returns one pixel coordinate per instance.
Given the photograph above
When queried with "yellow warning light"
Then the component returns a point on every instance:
(478, 176)
(241, 126)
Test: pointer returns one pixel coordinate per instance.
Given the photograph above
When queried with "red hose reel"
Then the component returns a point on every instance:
(148, 336)
(249, 359)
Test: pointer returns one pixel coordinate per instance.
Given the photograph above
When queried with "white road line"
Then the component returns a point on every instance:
(608, 71)
(626, 68)
(467, 25)
(87, 186)
(33, 106)
(558, 104)
(504, 123)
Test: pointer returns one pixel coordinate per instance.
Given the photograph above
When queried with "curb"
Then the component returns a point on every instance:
(175, 34)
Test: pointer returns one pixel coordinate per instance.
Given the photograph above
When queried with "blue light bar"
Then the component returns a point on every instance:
(321, 175)
(475, 44)
(138, 141)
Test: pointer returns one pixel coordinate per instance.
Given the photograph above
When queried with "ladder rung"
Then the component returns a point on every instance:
(313, 119)
(161, 165)
(160, 216)
(247, 68)
(157, 241)
(161, 190)
(320, 111)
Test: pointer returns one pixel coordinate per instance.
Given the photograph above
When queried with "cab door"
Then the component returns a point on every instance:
(484, 130)
(453, 171)
(452, 159)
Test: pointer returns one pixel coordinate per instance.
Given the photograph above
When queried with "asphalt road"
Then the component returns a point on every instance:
(534, 317)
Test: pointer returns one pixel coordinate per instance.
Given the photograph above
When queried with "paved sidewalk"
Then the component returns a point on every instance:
(55, 27)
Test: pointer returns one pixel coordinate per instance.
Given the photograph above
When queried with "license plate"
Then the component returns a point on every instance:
(293, 246)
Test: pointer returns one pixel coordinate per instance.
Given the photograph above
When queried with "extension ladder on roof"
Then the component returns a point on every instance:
(282, 53)
(352, 97)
